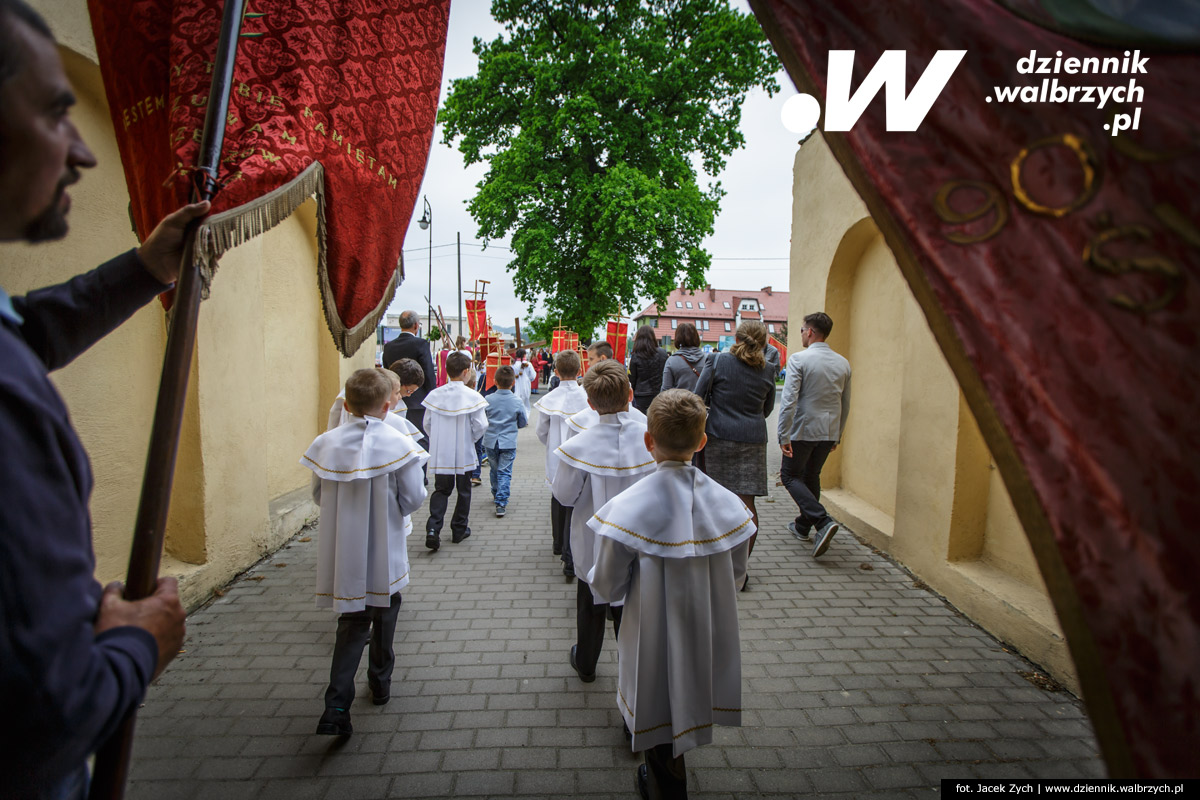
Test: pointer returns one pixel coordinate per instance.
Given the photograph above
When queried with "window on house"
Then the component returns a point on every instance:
(727, 304)
(771, 328)
(727, 328)
(689, 303)
(702, 305)
(674, 324)
(678, 304)
(699, 325)
(705, 324)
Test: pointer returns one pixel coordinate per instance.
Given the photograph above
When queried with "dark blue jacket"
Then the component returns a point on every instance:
(63, 690)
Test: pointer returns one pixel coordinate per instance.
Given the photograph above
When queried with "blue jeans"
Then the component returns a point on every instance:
(500, 464)
(475, 473)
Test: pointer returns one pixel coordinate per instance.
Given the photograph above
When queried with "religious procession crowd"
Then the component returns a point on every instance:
(651, 506)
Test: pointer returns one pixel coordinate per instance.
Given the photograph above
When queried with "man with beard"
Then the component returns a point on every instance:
(74, 658)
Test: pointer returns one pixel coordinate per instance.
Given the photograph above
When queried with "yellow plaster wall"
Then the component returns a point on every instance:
(913, 476)
(110, 390)
(874, 328)
(264, 372)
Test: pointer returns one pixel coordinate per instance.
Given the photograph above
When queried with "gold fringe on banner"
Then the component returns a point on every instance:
(226, 230)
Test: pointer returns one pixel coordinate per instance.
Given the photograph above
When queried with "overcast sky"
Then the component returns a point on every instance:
(749, 246)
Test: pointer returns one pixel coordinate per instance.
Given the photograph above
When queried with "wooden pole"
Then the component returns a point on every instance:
(141, 580)
(518, 321)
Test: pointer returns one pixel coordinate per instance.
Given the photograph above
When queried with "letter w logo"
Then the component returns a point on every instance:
(903, 113)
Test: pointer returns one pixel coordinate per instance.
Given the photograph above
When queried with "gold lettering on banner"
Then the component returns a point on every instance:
(357, 154)
(269, 156)
(1095, 257)
(143, 108)
(993, 202)
(1087, 161)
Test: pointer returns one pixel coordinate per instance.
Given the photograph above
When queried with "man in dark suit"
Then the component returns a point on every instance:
(410, 345)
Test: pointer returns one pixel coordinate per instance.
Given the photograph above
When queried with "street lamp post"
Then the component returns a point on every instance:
(426, 223)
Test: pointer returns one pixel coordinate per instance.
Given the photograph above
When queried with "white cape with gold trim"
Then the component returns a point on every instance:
(580, 422)
(367, 480)
(566, 400)
(455, 418)
(674, 545)
(596, 466)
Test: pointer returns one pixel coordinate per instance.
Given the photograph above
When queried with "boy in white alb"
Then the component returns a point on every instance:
(455, 418)
(367, 479)
(567, 399)
(674, 546)
(525, 376)
(597, 465)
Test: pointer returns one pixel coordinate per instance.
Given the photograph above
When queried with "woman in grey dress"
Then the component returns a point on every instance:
(739, 389)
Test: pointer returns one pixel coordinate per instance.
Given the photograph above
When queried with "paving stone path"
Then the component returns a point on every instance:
(856, 683)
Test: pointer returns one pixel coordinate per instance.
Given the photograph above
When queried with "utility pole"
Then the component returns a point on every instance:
(460, 316)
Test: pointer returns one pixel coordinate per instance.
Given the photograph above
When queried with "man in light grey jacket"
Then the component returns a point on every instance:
(812, 418)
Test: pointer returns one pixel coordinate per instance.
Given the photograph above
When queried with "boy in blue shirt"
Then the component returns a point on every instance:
(506, 413)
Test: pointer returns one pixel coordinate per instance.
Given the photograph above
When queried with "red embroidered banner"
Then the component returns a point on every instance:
(331, 98)
(618, 339)
(477, 318)
(491, 364)
(1057, 266)
(771, 340)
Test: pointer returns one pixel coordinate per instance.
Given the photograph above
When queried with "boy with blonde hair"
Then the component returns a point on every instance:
(367, 479)
(565, 400)
(674, 546)
(595, 466)
(455, 419)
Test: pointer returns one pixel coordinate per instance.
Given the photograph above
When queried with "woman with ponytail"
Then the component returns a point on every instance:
(739, 389)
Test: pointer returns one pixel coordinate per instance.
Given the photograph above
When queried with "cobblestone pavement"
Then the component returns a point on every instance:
(855, 683)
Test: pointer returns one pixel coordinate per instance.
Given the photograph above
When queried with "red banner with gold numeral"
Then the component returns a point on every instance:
(1057, 264)
(331, 99)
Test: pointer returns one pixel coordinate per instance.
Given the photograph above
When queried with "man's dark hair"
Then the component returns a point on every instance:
(409, 372)
(505, 377)
(819, 322)
(601, 348)
(456, 364)
(10, 11)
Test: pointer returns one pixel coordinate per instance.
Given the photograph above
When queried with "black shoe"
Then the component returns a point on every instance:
(557, 550)
(583, 676)
(380, 696)
(433, 541)
(745, 583)
(642, 784)
(458, 537)
(335, 722)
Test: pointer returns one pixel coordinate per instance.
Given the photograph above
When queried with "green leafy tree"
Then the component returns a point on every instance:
(535, 329)
(590, 116)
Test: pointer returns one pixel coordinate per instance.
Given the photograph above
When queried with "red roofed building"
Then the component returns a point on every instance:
(715, 312)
